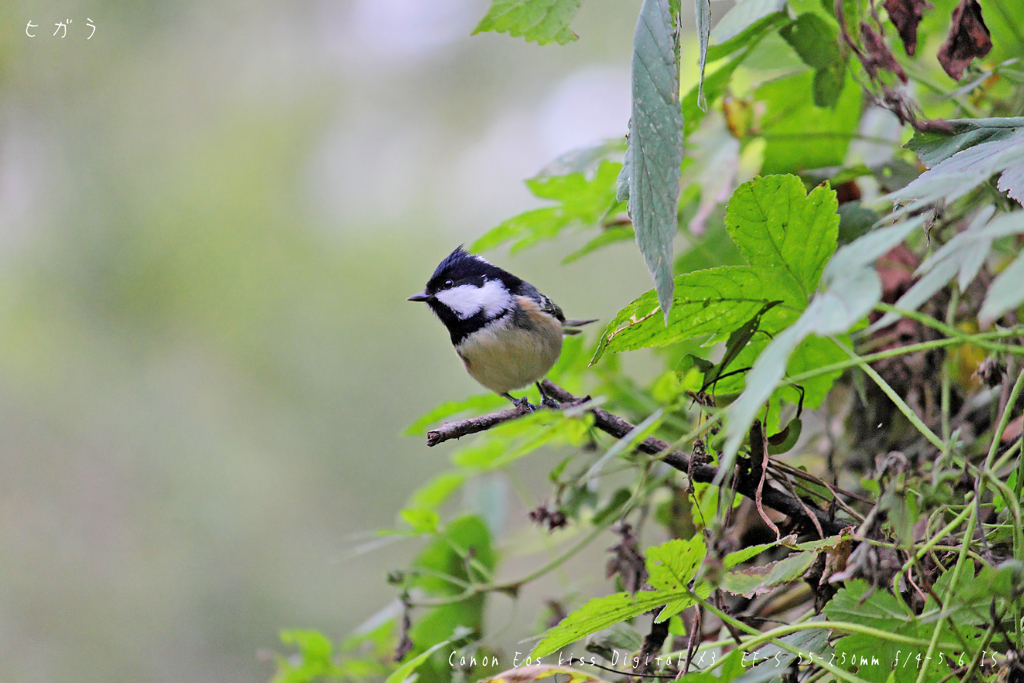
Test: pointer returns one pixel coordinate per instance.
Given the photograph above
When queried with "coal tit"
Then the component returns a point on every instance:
(506, 332)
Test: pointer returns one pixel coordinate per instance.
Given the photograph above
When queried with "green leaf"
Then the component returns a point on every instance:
(446, 556)
(706, 302)
(1004, 293)
(652, 164)
(422, 521)
(828, 84)
(850, 289)
(541, 21)
(747, 22)
(960, 173)
(672, 565)
(814, 40)
(702, 8)
(744, 554)
(798, 136)
(933, 147)
(785, 236)
(761, 578)
(314, 659)
(618, 233)
(404, 672)
(597, 614)
(581, 201)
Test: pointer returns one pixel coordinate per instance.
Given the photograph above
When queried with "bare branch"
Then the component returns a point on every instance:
(618, 427)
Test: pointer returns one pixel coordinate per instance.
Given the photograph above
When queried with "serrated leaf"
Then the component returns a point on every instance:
(961, 258)
(651, 168)
(541, 21)
(762, 578)
(786, 237)
(960, 173)
(673, 564)
(706, 302)
(598, 614)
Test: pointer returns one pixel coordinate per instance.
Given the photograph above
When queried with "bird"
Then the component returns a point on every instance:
(507, 334)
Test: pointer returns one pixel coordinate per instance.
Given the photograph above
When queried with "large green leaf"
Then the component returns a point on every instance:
(651, 167)
(539, 20)
(850, 289)
(786, 237)
(671, 566)
(598, 614)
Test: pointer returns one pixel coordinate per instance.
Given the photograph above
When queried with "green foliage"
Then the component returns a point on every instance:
(541, 21)
(650, 171)
(766, 314)
(581, 201)
(786, 238)
(814, 39)
(670, 566)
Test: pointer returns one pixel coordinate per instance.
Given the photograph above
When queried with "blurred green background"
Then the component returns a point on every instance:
(210, 216)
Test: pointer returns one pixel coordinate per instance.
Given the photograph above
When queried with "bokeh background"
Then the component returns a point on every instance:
(210, 216)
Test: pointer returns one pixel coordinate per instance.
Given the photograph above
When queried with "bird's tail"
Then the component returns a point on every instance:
(568, 325)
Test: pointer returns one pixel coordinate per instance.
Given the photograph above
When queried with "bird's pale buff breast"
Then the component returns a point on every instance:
(504, 356)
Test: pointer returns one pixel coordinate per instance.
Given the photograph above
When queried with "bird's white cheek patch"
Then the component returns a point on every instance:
(468, 300)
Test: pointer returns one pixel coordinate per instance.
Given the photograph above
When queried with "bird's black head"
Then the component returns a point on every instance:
(466, 291)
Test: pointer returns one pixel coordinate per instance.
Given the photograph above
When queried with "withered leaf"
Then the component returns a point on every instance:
(905, 15)
(877, 54)
(968, 38)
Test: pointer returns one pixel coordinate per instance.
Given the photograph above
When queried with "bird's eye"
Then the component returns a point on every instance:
(449, 283)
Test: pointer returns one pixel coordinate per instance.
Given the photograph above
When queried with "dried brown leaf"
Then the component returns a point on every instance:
(877, 54)
(905, 15)
(968, 38)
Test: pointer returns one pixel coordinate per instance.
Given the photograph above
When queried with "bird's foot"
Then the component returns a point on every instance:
(521, 404)
(546, 400)
(549, 402)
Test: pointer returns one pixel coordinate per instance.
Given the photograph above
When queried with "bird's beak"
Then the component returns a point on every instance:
(422, 296)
